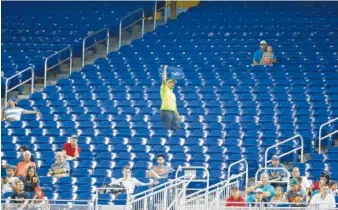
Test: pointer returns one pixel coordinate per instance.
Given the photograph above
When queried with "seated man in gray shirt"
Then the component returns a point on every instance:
(60, 168)
(160, 171)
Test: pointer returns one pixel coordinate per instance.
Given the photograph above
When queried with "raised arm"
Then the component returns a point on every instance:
(164, 74)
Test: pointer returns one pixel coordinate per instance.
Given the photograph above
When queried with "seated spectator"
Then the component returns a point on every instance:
(13, 113)
(60, 168)
(294, 190)
(324, 199)
(305, 184)
(276, 174)
(23, 149)
(8, 183)
(235, 199)
(334, 190)
(268, 190)
(19, 197)
(130, 182)
(31, 180)
(160, 171)
(279, 197)
(259, 198)
(21, 168)
(325, 177)
(71, 150)
(39, 198)
(259, 53)
(298, 201)
(321, 184)
(268, 57)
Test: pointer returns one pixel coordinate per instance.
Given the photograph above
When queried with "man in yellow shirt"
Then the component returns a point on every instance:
(169, 114)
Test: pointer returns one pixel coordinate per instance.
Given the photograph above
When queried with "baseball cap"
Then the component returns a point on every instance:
(171, 80)
(263, 42)
(275, 157)
(234, 187)
(12, 99)
(293, 182)
(259, 190)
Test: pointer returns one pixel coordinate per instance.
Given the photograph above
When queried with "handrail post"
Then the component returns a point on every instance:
(32, 77)
(83, 51)
(142, 23)
(320, 138)
(108, 36)
(70, 58)
(246, 170)
(120, 34)
(155, 11)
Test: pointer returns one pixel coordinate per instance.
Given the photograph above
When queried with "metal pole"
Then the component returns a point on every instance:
(108, 35)
(142, 23)
(6, 94)
(32, 83)
(120, 34)
(83, 51)
(71, 61)
(155, 15)
(45, 75)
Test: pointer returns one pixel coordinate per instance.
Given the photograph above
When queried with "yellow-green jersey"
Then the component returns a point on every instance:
(168, 99)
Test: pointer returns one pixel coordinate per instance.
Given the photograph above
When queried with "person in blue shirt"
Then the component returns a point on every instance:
(268, 190)
(276, 174)
(259, 53)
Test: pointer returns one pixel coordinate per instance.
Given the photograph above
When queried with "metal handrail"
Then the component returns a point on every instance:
(301, 148)
(274, 181)
(18, 85)
(166, 5)
(120, 29)
(70, 58)
(180, 193)
(240, 174)
(320, 138)
(106, 188)
(84, 48)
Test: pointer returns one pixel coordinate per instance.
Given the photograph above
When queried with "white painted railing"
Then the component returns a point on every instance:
(320, 138)
(246, 172)
(285, 179)
(160, 197)
(135, 22)
(69, 58)
(301, 148)
(45, 204)
(21, 83)
(84, 47)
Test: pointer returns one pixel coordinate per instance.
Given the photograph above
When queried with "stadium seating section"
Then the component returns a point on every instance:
(230, 109)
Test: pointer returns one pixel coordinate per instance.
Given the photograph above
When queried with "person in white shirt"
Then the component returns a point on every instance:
(13, 113)
(334, 191)
(129, 182)
(8, 184)
(304, 183)
(324, 199)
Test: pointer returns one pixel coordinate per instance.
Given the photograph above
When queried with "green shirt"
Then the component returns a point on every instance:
(168, 99)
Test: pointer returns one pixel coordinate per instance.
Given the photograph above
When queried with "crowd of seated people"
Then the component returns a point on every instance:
(297, 192)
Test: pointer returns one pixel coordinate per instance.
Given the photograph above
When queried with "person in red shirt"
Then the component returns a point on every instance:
(71, 150)
(325, 177)
(235, 199)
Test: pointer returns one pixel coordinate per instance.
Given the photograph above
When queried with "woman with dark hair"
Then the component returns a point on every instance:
(325, 177)
(31, 180)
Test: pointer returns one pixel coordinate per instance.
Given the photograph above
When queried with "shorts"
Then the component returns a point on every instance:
(169, 120)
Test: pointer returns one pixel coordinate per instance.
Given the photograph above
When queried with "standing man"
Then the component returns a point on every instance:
(13, 113)
(259, 53)
(169, 114)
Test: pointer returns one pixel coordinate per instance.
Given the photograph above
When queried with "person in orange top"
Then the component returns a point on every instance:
(22, 167)
(235, 199)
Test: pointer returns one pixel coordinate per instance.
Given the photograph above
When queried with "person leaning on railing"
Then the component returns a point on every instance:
(18, 198)
(268, 190)
(13, 113)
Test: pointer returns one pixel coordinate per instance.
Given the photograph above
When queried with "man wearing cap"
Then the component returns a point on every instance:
(268, 190)
(298, 201)
(169, 114)
(259, 53)
(71, 150)
(13, 113)
(294, 190)
(276, 172)
(235, 199)
(304, 183)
